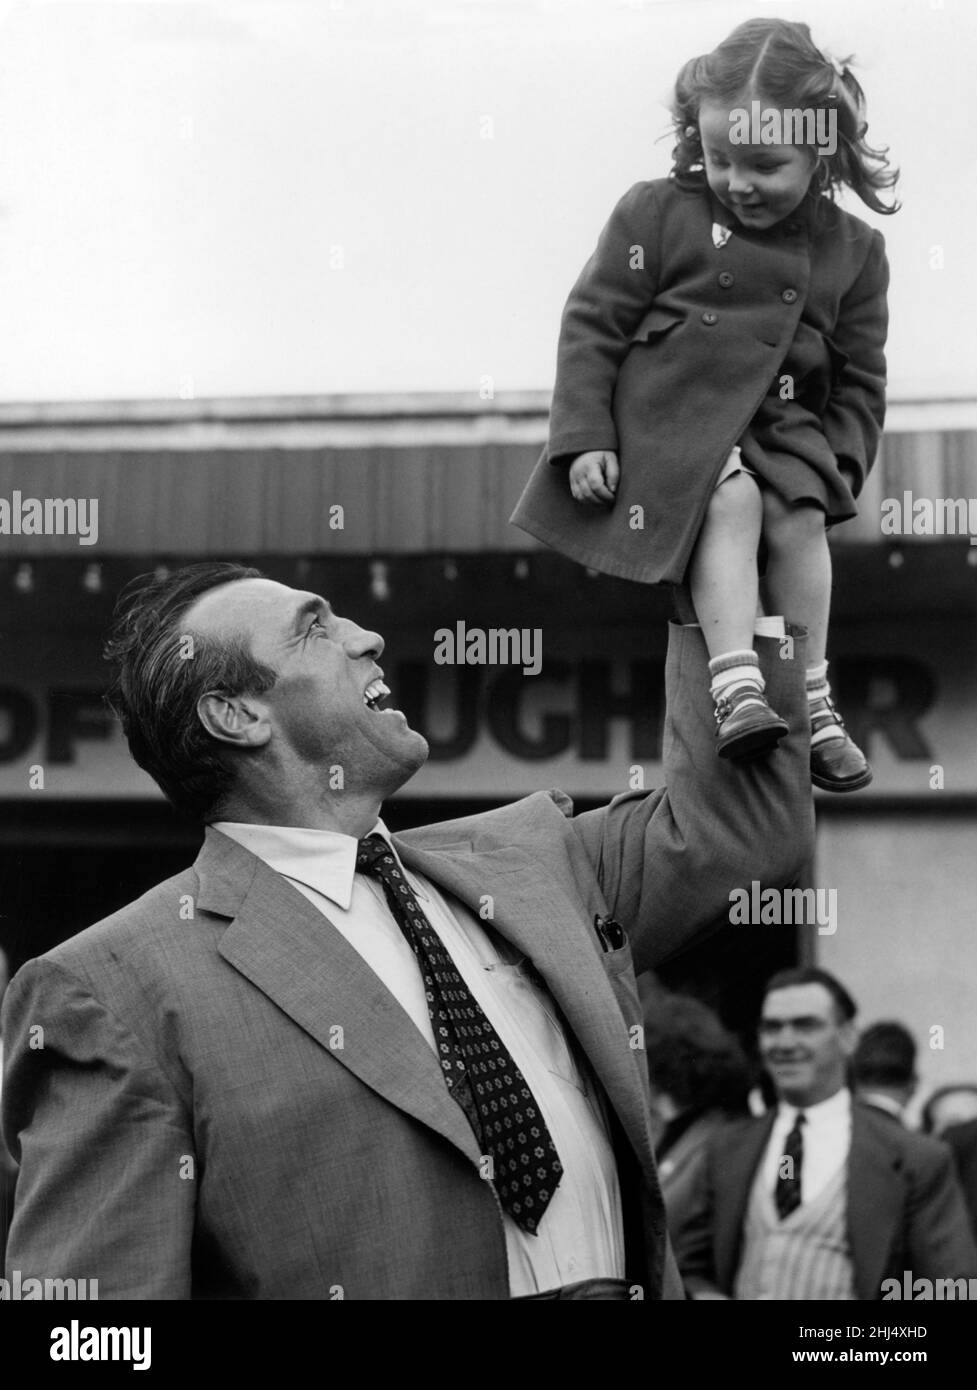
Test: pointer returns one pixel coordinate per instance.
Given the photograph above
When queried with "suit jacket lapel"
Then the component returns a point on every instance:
(875, 1196)
(295, 956)
(532, 916)
(285, 946)
(733, 1187)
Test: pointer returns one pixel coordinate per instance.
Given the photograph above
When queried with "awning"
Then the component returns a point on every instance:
(371, 476)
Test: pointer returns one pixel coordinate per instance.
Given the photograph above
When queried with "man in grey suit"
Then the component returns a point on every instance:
(240, 1086)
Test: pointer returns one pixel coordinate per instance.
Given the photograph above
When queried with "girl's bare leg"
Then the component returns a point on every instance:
(798, 584)
(723, 582)
(723, 570)
(798, 578)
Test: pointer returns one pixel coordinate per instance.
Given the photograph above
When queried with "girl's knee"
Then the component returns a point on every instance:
(787, 526)
(736, 501)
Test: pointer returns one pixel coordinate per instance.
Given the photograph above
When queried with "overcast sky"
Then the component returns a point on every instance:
(310, 196)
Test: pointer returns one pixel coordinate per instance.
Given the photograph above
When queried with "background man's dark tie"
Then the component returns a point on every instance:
(479, 1071)
(787, 1193)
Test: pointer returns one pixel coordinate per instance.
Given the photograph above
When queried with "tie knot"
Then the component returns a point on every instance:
(374, 855)
(800, 1119)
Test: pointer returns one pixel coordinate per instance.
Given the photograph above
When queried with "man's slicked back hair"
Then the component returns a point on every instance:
(845, 1005)
(160, 675)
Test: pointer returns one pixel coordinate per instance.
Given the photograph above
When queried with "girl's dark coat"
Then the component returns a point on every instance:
(673, 350)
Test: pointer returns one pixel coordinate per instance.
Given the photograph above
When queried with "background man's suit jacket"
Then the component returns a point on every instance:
(679, 1166)
(905, 1209)
(962, 1141)
(231, 1104)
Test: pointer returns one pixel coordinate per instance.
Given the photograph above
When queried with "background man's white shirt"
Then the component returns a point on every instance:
(826, 1137)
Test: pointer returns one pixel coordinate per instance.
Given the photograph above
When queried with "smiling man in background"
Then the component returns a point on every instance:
(326, 1062)
(822, 1198)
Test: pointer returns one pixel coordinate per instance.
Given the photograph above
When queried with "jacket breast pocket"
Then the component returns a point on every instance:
(655, 324)
(619, 967)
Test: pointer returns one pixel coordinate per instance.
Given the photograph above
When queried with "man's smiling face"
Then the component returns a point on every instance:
(327, 666)
(804, 1044)
(760, 184)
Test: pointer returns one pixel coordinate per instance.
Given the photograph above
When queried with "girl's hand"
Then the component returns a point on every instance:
(594, 477)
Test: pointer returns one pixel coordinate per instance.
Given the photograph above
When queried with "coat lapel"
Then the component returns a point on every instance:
(734, 1182)
(296, 957)
(875, 1199)
(541, 921)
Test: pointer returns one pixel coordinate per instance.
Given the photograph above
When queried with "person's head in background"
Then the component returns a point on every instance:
(883, 1067)
(949, 1105)
(806, 1034)
(695, 1065)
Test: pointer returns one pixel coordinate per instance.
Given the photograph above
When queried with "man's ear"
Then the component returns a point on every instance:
(848, 1035)
(234, 719)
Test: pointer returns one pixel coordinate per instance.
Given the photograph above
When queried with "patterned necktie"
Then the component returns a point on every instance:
(787, 1193)
(477, 1067)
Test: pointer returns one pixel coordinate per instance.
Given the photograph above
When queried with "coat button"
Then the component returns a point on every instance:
(710, 318)
(725, 279)
(788, 296)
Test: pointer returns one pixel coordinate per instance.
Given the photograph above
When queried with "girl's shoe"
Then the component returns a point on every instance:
(837, 763)
(747, 724)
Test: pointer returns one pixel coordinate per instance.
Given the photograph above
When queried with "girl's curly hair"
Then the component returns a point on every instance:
(778, 60)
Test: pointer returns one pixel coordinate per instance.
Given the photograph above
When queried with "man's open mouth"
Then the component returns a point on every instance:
(375, 694)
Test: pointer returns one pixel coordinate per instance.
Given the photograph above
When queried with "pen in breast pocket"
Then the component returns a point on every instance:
(611, 934)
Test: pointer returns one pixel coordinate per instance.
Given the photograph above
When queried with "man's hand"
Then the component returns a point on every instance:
(594, 476)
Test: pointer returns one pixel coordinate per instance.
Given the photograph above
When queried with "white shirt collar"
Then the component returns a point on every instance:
(835, 1110)
(324, 860)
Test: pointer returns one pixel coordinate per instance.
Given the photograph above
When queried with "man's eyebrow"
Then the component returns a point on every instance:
(310, 609)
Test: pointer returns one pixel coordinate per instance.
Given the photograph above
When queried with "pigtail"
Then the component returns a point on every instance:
(865, 170)
(687, 166)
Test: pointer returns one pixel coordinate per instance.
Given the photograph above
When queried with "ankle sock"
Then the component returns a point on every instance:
(733, 671)
(818, 689)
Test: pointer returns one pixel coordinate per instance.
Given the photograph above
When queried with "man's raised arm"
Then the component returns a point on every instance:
(668, 860)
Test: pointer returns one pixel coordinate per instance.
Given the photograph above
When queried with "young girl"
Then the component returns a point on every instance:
(721, 371)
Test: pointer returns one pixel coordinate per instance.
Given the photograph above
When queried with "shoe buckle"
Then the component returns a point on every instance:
(728, 704)
(828, 714)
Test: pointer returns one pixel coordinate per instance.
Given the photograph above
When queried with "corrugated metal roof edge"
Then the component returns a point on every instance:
(350, 406)
(905, 413)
